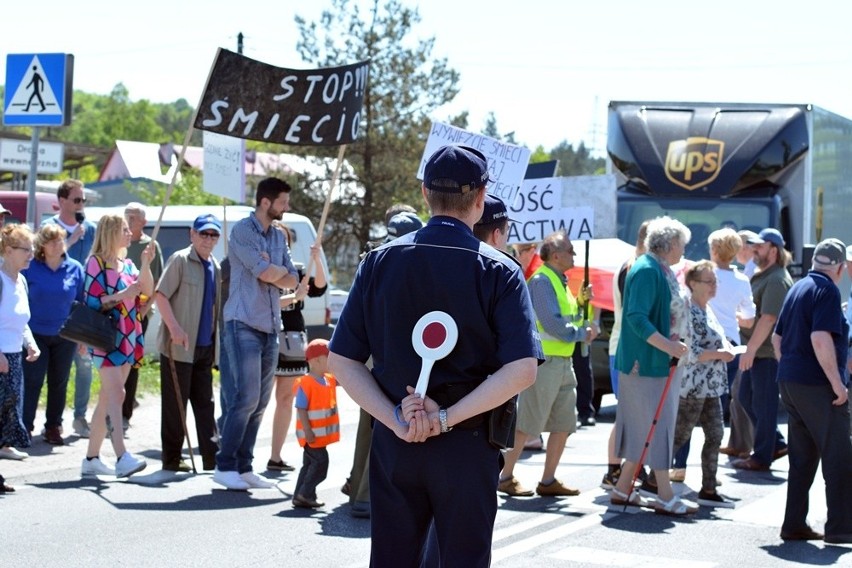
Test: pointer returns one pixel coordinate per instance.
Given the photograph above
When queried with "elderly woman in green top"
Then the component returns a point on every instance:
(653, 323)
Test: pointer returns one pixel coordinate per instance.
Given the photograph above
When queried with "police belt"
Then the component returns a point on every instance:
(448, 394)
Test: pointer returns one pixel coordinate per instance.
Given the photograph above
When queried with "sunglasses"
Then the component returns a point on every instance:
(79, 200)
(208, 235)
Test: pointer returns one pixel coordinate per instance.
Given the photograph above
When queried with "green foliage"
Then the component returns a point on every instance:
(540, 155)
(577, 162)
(405, 85)
(187, 191)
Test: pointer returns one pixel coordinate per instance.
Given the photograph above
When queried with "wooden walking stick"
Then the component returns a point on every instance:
(179, 400)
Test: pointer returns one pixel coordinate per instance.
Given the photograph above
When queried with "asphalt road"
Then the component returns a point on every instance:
(159, 518)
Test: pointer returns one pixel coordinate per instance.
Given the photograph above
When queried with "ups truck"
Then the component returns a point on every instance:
(738, 165)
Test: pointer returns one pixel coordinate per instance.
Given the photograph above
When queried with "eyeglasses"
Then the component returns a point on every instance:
(25, 249)
(711, 282)
(208, 235)
(79, 200)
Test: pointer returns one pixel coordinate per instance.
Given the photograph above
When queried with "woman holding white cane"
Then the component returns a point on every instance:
(653, 322)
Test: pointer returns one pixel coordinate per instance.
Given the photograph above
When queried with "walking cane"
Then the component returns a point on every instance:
(651, 431)
(182, 412)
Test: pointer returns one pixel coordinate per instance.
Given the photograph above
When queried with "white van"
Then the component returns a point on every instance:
(174, 235)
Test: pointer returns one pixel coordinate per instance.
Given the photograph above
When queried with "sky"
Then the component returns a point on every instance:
(547, 69)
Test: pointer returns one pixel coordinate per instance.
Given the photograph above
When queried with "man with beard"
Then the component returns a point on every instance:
(260, 268)
(759, 389)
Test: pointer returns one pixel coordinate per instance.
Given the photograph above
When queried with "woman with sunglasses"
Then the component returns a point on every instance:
(16, 249)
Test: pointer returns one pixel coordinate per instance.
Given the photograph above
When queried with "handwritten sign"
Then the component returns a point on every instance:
(583, 206)
(224, 166)
(249, 99)
(507, 163)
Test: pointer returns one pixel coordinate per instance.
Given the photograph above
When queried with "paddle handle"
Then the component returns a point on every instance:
(423, 379)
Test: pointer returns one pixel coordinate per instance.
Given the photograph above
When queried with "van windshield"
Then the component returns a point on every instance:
(702, 217)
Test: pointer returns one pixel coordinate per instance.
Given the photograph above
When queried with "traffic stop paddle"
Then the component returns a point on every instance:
(434, 336)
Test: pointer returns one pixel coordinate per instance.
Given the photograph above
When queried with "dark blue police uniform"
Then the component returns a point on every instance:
(451, 477)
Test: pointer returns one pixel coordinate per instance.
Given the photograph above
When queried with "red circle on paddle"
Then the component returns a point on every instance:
(434, 335)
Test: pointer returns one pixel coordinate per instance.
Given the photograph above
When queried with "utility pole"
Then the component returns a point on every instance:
(240, 37)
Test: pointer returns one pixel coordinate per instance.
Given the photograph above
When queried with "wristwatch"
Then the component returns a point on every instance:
(442, 418)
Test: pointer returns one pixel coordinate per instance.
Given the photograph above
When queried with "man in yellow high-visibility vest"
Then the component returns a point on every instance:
(549, 404)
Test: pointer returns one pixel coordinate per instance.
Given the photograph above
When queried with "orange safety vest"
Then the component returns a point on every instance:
(322, 410)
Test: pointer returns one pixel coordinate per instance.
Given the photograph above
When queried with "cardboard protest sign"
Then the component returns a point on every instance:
(315, 107)
(507, 163)
(583, 206)
(224, 171)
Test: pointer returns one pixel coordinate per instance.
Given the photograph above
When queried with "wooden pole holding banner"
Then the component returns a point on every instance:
(186, 140)
(584, 347)
(321, 226)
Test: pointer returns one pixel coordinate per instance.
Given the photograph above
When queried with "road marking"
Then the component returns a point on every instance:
(553, 535)
(584, 555)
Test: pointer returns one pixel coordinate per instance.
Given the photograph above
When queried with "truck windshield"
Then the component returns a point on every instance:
(702, 217)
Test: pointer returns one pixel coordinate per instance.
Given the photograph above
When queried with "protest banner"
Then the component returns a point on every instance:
(224, 171)
(583, 206)
(254, 100)
(507, 163)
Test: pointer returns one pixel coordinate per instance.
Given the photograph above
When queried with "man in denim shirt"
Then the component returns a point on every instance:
(260, 268)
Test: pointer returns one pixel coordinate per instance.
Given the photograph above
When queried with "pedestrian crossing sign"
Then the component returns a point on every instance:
(38, 89)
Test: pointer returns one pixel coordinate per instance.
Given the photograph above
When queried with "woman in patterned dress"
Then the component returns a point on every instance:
(705, 379)
(16, 249)
(113, 282)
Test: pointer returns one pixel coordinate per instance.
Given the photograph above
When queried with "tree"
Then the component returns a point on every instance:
(577, 162)
(405, 85)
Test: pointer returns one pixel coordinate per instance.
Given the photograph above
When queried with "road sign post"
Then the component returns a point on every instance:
(38, 93)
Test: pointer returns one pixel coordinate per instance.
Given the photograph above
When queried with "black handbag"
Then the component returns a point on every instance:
(90, 327)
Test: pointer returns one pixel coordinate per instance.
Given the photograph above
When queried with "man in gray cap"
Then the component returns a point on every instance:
(759, 389)
(810, 342)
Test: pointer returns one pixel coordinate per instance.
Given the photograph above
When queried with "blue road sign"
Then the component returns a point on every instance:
(38, 89)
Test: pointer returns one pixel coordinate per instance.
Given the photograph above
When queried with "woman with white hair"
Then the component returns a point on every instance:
(654, 319)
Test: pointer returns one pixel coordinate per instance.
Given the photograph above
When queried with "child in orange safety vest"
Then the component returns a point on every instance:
(317, 423)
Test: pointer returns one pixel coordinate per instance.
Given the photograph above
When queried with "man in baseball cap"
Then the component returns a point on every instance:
(402, 224)
(493, 226)
(444, 269)
(768, 236)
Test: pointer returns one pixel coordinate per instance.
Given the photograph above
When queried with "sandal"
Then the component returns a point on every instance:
(620, 499)
(674, 508)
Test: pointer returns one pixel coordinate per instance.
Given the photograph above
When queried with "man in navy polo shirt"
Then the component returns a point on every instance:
(431, 458)
(810, 341)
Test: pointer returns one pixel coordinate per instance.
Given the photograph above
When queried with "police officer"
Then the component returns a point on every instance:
(450, 477)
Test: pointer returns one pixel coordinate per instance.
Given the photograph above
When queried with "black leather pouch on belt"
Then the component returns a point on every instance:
(501, 424)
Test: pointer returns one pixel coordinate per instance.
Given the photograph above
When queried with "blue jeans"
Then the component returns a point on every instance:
(252, 357)
(226, 382)
(759, 396)
(55, 362)
(82, 383)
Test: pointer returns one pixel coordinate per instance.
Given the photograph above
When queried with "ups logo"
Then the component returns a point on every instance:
(694, 162)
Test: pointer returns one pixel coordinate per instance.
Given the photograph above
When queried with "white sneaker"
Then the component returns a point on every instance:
(81, 427)
(95, 467)
(256, 481)
(128, 464)
(230, 480)
(11, 453)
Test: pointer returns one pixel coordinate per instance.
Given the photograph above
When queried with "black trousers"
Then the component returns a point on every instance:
(585, 382)
(196, 386)
(449, 480)
(817, 430)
